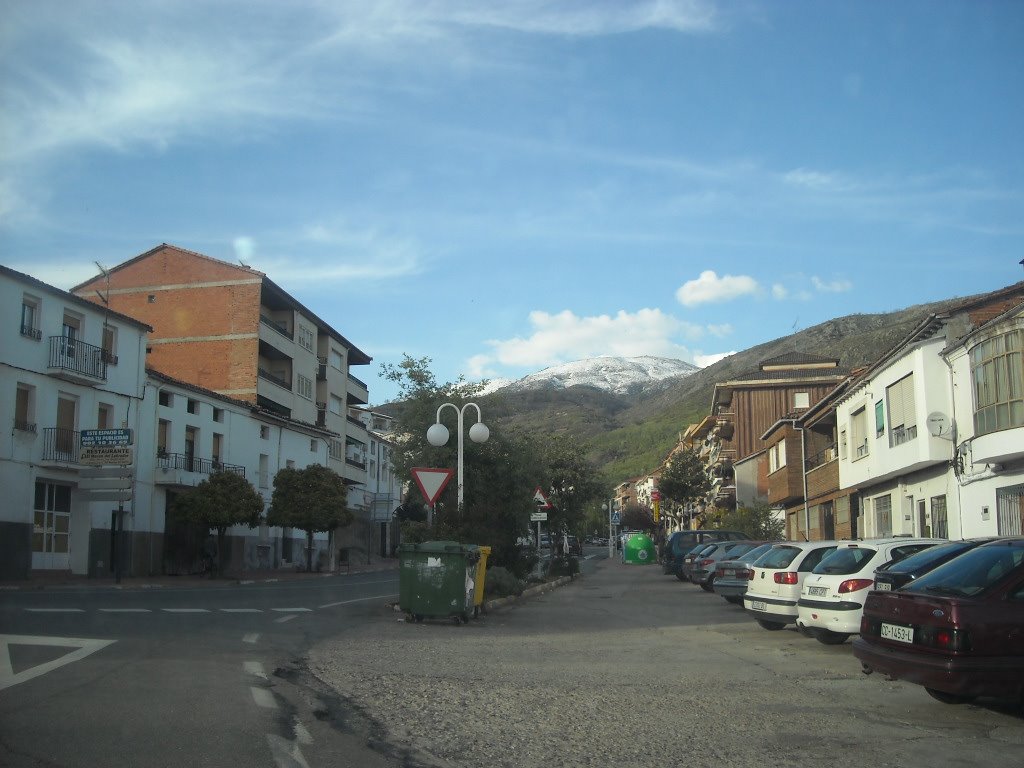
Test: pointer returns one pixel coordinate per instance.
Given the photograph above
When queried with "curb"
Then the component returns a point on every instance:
(538, 589)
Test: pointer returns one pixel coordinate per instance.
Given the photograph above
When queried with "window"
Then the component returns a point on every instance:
(902, 411)
(801, 400)
(167, 399)
(264, 471)
(879, 419)
(218, 449)
(70, 330)
(305, 337)
(777, 456)
(30, 318)
(105, 416)
(337, 450)
(1010, 510)
(289, 464)
(24, 409)
(859, 429)
(337, 407)
(109, 344)
(997, 371)
(304, 387)
(313, 445)
(264, 432)
(163, 429)
(218, 415)
(51, 532)
(337, 360)
(192, 406)
(883, 515)
(940, 521)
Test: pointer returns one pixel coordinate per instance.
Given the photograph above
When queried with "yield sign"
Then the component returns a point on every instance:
(540, 499)
(431, 481)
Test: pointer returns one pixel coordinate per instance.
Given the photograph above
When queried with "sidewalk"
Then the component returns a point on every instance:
(65, 580)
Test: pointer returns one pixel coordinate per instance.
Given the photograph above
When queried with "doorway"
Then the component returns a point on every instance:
(51, 530)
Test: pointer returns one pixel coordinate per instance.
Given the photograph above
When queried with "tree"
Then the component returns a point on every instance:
(222, 500)
(760, 521)
(311, 499)
(685, 479)
(570, 482)
(637, 517)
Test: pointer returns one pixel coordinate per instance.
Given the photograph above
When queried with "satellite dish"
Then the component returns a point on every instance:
(938, 424)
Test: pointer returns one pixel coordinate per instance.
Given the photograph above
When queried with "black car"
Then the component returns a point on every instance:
(892, 576)
(682, 542)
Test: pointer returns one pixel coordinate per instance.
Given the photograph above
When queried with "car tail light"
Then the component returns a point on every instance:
(706, 561)
(869, 627)
(786, 577)
(945, 638)
(855, 585)
(744, 573)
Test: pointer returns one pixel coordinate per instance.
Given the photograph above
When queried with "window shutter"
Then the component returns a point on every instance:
(894, 394)
(909, 406)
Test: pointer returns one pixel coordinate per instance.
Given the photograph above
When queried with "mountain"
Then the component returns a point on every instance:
(628, 433)
(618, 375)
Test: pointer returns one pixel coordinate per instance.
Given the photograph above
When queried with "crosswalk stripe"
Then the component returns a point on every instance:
(125, 610)
(241, 610)
(185, 610)
(55, 610)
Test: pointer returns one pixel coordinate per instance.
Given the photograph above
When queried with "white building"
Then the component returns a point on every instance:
(66, 365)
(383, 491)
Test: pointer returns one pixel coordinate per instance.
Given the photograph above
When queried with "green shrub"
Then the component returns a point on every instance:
(500, 582)
(563, 566)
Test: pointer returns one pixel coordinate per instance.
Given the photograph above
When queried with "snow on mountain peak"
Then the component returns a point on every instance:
(619, 375)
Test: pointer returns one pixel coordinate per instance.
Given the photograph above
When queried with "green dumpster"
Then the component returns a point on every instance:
(639, 549)
(437, 579)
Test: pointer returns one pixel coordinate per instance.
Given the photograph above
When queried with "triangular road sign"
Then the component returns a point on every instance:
(541, 500)
(68, 650)
(431, 481)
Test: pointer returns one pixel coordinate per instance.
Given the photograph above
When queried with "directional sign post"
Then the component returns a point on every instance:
(110, 452)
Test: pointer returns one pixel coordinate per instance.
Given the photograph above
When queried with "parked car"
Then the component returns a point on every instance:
(686, 569)
(682, 542)
(573, 546)
(774, 589)
(832, 598)
(958, 630)
(896, 574)
(733, 575)
(703, 572)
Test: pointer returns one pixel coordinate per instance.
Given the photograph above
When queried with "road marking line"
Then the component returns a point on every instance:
(286, 754)
(291, 610)
(251, 638)
(85, 647)
(263, 697)
(55, 610)
(125, 610)
(255, 669)
(185, 610)
(283, 619)
(357, 600)
(241, 610)
(302, 734)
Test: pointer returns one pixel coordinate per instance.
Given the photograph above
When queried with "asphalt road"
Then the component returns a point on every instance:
(210, 676)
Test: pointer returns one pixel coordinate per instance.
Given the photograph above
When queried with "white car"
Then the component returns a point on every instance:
(774, 587)
(832, 599)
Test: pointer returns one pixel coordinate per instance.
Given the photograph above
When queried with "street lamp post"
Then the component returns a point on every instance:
(437, 435)
(610, 506)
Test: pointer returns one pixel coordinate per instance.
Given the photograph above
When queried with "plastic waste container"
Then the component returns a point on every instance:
(639, 549)
(481, 577)
(437, 579)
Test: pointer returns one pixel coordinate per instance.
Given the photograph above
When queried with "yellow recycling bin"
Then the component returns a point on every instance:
(481, 574)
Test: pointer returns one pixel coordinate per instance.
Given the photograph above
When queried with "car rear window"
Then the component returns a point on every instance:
(756, 553)
(972, 573)
(735, 550)
(814, 557)
(928, 558)
(779, 557)
(845, 560)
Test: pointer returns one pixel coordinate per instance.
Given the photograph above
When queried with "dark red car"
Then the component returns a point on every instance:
(957, 630)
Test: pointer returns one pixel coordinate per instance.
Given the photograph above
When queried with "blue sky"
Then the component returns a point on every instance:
(504, 186)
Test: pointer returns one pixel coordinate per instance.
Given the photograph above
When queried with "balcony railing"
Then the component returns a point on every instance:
(360, 382)
(60, 444)
(194, 464)
(77, 357)
(279, 327)
(824, 456)
(24, 426)
(32, 333)
(274, 378)
(901, 435)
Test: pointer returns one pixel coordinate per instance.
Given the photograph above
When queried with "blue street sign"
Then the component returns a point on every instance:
(615, 518)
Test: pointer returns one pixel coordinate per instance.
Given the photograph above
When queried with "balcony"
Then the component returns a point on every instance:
(77, 361)
(60, 445)
(321, 414)
(321, 369)
(273, 378)
(187, 463)
(31, 333)
(357, 390)
(281, 328)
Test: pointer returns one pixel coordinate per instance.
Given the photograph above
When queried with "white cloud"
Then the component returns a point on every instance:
(63, 275)
(704, 361)
(802, 177)
(562, 337)
(710, 288)
(835, 286)
(779, 291)
(724, 329)
(590, 18)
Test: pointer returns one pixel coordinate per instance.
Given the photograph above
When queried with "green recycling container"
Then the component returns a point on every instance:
(639, 549)
(437, 579)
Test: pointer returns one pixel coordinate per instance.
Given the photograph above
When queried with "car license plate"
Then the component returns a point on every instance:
(757, 605)
(883, 586)
(728, 572)
(897, 633)
(817, 591)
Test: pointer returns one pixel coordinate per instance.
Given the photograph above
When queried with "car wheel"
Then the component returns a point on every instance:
(681, 576)
(830, 638)
(709, 585)
(771, 626)
(949, 698)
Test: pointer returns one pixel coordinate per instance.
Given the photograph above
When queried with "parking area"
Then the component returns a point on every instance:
(630, 666)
